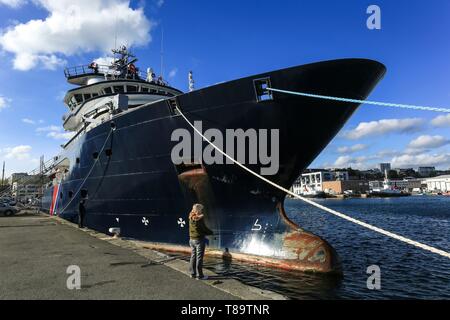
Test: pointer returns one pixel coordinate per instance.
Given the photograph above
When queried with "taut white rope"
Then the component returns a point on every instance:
(317, 205)
(377, 103)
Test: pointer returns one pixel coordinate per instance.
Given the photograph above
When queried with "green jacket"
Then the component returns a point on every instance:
(198, 230)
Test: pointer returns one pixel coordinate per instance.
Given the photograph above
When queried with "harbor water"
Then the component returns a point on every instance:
(406, 272)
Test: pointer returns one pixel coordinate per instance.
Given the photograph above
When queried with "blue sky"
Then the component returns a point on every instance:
(225, 40)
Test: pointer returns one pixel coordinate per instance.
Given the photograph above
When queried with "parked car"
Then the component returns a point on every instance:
(7, 210)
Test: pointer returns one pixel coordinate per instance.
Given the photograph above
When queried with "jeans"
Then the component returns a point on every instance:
(198, 251)
(80, 220)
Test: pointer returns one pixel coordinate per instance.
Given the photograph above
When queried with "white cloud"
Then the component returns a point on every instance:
(423, 159)
(104, 61)
(351, 149)
(21, 152)
(60, 135)
(427, 141)
(13, 3)
(385, 153)
(74, 27)
(28, 121)
(49, 128)
(173, 72)
(342, 161)
(56, 132)
(384, 126)
(4, 102)
(348, 161)
(441, 121)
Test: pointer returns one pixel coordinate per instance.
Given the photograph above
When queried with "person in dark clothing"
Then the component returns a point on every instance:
(197, 232)
(81, 212)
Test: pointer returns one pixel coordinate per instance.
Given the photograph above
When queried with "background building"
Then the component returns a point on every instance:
(438, 184)
(25, 187)
(23, 193)
(426, 171)
(16, 177)
(385, 167)
(314, 180)
(339, 186)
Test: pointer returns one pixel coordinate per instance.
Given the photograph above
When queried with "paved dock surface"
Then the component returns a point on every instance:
(36, 250)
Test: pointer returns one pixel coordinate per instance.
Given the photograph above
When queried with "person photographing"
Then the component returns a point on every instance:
(197, 233)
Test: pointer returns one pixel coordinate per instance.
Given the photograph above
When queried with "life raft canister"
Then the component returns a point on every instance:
(132, 68)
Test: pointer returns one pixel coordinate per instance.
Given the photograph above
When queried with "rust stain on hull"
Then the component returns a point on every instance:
(309, 250)
(296, 249)
(285, 264)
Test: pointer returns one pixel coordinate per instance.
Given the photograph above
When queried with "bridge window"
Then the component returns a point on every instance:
(78, 98)
(86, 96)
(108, 90)
(145, 89)
(131, 88)
(118, 89)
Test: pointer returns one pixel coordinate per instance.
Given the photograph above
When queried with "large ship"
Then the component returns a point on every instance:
(119, 158)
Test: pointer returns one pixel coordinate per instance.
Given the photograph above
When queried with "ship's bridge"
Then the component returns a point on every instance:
(99, 86)
(78, 96)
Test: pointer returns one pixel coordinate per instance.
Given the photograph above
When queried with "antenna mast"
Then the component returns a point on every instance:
(115, 32)
(162, 52)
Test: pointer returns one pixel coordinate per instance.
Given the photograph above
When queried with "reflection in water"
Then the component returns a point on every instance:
(406, 272)
(254, 245)
(294, 285)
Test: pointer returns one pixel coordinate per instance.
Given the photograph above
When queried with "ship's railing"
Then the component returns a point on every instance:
(102, 70)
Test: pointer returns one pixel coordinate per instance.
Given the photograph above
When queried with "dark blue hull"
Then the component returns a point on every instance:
(135, 185)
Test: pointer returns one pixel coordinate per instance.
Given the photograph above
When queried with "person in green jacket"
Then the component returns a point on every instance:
(197, 232)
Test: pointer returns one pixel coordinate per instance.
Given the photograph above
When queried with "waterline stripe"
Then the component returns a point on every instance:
(317, 205)
(376, 103)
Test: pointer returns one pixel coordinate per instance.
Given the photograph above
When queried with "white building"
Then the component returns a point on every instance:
(314, 180)
(25, 192)
(440, 183)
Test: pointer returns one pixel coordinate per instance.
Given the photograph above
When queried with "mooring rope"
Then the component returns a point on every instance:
(317, 205)
(377, 103)
(89, 173)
